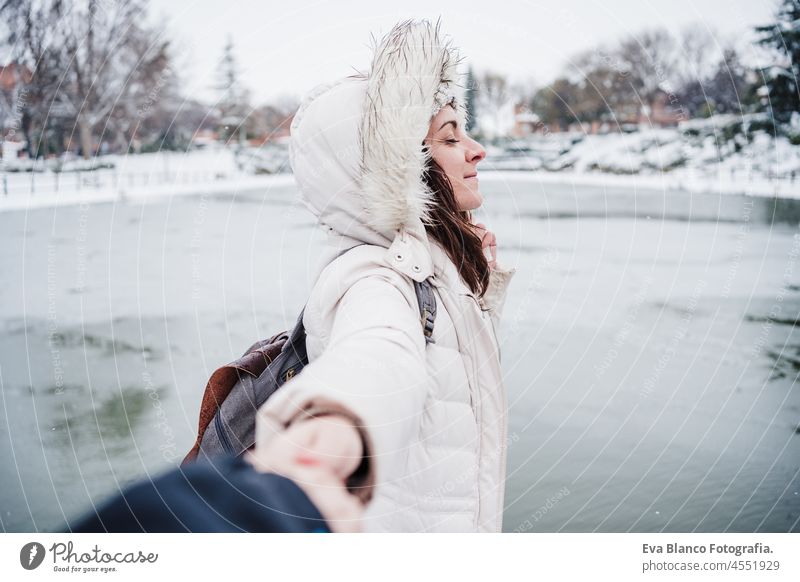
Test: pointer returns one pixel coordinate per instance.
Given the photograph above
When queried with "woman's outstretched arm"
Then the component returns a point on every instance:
(372, 372)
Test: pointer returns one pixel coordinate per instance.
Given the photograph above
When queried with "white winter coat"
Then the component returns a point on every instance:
(435, 414)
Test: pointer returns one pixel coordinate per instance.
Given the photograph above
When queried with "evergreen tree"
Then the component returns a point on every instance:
(782, 78)
(233, 97)
(470, 105)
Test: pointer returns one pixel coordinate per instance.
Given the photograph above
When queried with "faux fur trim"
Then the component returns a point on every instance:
(413, 74)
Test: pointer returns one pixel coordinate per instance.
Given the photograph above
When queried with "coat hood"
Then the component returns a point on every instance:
(356, 144)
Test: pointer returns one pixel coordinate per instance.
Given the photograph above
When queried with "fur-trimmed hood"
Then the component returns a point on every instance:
(356, 144)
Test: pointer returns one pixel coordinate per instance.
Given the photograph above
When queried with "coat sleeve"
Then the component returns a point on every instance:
(372, 366)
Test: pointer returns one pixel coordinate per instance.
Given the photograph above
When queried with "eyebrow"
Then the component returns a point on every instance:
(455, 126)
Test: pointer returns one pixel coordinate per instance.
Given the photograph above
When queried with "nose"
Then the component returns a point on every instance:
(475, 153)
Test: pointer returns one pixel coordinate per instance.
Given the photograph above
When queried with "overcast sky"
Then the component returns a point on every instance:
(285, 48)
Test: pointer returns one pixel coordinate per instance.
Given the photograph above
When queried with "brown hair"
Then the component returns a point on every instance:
(453, 230)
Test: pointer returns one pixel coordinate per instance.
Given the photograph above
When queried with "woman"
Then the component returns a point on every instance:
(414, 431)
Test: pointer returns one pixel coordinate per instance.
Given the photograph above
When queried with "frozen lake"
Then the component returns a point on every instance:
(650, 344)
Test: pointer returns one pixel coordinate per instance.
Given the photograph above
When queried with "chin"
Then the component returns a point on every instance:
(469, 200)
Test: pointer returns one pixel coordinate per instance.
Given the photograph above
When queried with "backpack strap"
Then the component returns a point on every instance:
(427, 308)
(425, 299)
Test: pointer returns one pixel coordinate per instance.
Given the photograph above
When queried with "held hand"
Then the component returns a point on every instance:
(488, 241)
(318, 454)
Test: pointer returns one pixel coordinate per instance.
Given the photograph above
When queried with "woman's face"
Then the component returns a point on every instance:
(458, 155)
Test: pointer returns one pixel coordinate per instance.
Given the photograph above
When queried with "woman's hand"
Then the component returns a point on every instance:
(318, 454)
(488, 241)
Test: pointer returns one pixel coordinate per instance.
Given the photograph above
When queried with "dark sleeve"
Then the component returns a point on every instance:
(227, 495)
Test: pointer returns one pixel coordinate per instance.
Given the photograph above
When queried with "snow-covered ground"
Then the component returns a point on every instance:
(702, 156)
(723, 154)
(142, 176)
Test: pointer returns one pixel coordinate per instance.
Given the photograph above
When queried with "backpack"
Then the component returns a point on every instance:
(235, 391)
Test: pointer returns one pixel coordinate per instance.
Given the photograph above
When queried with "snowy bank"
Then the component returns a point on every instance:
(659, 160)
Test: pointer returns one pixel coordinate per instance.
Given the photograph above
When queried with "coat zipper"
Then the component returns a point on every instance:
(478, 408)
(501, 494)
(503, 428)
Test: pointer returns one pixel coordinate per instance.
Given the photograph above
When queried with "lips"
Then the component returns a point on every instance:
(471, 176)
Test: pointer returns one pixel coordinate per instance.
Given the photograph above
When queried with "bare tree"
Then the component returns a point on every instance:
(699, 54)
(649, 60)
(602, 87)
(493, 98)
(556, 103)
(32, 41)
(93, 61)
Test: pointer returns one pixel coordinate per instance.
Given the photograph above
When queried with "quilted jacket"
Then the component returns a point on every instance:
(435, 413)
